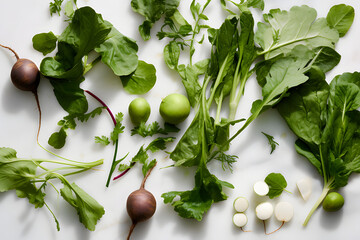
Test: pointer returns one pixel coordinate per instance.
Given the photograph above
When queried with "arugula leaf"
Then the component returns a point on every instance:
(272, 142)
(152, 129)
(284, 30)
(44, 42)
(276, 183)
(341, 18)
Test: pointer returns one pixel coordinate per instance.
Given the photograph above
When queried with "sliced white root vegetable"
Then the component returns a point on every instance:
(284, 211)
(240, 220)
(305, 187)
(241, 204)
(264, 210)
(261, 188)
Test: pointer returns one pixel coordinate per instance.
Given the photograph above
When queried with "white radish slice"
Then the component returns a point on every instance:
(261, 188)
(264, 210)
(241, 204)
(284, 211)
(305, 187)
(240, 220)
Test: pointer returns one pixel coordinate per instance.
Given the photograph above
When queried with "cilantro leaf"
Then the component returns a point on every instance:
(102, 140)
(272, 142)
(276, 183)
(152, 129)
(55, 7)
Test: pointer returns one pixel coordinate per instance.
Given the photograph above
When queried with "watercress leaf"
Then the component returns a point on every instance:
(276, 183)
(88, 209)
(118, 52)
(142, 80)
(284, 30)
(341, 18)
(44, 42)
(57, 139)
(272, 142)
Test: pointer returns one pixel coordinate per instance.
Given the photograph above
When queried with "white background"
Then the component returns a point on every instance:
(21, 20)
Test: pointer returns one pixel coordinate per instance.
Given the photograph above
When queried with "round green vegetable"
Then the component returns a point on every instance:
(139, 110)
(333, 202)
(174, 108)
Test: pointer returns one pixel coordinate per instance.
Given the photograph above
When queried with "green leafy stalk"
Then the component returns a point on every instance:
(24, 175)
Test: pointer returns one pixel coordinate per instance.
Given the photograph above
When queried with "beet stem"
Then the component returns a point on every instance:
(130, 231)
(142, 186)
(16, 55)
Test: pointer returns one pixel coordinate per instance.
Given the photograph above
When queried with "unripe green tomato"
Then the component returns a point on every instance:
(139, 110)
(174, 108)
(333, 202)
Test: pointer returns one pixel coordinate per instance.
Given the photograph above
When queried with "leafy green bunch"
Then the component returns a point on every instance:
(326, 120)
(285, 49)
(29, 177)
(88, 33)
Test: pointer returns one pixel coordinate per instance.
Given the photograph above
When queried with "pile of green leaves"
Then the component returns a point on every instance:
(285, 59)
(326, 120)
(29, 178)
(85, 34)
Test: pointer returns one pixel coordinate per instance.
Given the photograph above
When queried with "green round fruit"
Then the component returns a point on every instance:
(139, 110)
(174, 108)
(333, 202)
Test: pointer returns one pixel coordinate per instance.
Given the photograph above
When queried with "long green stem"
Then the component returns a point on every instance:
(325, 191)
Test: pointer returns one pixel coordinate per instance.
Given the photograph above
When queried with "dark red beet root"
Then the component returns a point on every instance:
(141, 205)
(25, 75)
